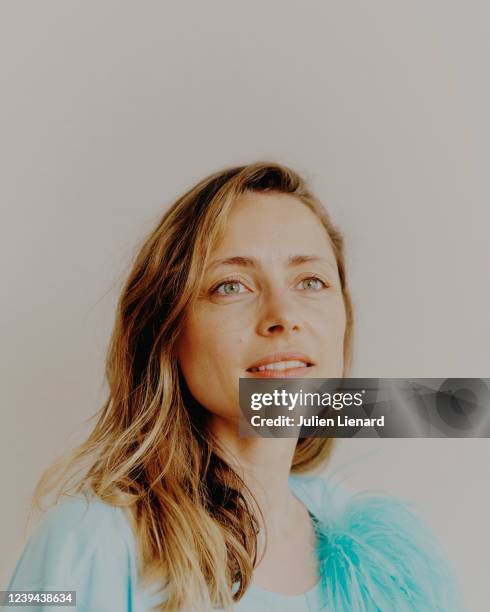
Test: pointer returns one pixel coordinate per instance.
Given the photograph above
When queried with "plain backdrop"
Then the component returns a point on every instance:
(110, 109)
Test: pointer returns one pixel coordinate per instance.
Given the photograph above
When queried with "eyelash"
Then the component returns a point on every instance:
(237, 280)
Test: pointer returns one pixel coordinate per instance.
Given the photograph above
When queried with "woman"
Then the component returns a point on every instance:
(165, 504)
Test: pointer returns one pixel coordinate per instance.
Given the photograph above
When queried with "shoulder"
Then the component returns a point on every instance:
(81, 544)
(86, 518)
(375, 550)
(79, 527)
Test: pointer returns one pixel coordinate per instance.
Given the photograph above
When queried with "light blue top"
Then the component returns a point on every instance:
(90, 549)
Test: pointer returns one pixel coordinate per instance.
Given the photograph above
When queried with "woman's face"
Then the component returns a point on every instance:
(271, 296)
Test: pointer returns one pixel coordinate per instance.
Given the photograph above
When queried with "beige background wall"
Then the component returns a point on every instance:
(109, 109)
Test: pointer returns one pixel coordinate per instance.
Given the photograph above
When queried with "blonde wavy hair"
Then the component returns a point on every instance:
(149, 452)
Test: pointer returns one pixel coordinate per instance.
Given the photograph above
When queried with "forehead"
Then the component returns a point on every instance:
(273, 222)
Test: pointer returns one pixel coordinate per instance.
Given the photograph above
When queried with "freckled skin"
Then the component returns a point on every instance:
(274, 307)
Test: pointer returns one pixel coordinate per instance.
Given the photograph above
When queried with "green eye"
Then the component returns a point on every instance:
(313, 283)
(229, 288)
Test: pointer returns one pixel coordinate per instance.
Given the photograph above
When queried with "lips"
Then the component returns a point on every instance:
(283, 356)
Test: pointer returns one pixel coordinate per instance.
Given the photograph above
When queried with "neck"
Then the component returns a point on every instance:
(264, 465)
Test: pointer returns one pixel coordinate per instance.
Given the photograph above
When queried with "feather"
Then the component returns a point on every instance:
(375, 554)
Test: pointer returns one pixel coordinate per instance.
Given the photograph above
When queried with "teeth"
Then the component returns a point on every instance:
(280, 365)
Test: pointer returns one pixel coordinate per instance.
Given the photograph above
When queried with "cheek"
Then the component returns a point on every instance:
(195, 351)
(329, 327)
(209, 356)
(329, 320)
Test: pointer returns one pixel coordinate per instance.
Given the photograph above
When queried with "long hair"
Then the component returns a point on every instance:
(192, 515)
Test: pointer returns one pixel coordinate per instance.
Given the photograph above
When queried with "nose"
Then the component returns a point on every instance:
(278, 314)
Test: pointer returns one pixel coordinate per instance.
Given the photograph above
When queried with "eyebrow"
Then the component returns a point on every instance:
(252, 262)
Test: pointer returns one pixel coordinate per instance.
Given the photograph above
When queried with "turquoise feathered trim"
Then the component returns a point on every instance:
(376, 555)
